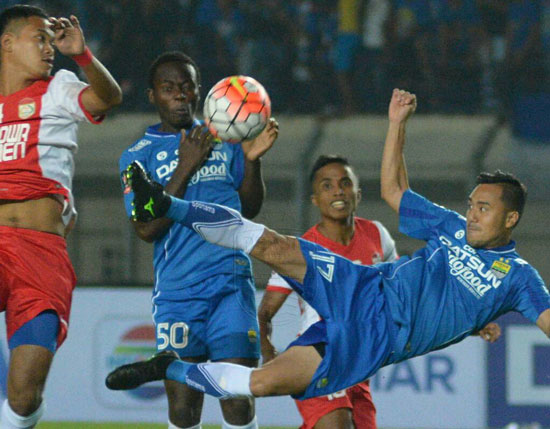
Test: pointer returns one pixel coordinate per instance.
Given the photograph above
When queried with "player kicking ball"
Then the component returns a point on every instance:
(468, 274)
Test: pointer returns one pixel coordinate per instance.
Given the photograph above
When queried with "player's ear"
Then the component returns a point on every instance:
(6, 42)
(150, 95)
(511, 219)
(314, 200)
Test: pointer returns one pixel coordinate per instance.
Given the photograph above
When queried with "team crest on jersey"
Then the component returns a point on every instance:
(501, 268)
(27, 108)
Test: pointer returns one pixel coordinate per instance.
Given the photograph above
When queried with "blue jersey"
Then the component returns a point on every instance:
(449, 290)
(182, 257)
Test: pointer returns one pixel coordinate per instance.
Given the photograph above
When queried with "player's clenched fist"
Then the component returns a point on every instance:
(402, 105)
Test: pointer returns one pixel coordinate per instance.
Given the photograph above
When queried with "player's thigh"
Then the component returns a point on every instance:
(184, 403)
(28, 369)
(289, 373)
(239, 411)
(337, 419)
(326, 411)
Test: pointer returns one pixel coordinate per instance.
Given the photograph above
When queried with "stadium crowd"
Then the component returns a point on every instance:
(301, 49)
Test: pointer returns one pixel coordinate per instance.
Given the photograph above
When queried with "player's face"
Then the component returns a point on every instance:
(30, 47)
(175, 94)
(489, 221)
(336, 192)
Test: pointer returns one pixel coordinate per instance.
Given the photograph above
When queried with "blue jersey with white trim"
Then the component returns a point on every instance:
(181, 256)
(449, 290)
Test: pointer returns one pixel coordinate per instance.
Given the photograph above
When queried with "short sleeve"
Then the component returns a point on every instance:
(237, 164)
(277, 284)
(419, 217)
(533, 297)
(125, 160)
(389, 252)
(66, 91)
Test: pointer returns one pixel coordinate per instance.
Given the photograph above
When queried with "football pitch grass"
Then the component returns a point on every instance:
(84, 425)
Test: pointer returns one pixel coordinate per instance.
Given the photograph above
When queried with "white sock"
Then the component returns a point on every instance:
(252, 425)
(11, 420)
(173, 426)
(216, 224)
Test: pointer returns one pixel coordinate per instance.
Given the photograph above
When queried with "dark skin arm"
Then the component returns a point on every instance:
(490, 333)
(196, 146)
(270, 305)
(252, 190)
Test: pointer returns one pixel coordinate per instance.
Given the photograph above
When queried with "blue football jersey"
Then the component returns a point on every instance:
(449, 290)
(181, 256)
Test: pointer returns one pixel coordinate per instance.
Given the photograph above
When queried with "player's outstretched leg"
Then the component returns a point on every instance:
(288, 373)
(215, 223)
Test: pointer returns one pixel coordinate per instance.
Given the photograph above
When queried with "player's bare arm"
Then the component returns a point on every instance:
(271, 303)
(252, 190)
(104, 92)
(394, 180)
(196, 145)
(543, 322)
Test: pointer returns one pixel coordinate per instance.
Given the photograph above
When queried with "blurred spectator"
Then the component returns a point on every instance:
(346, 50)
(371, 82)
(459, 35)
(409, 35)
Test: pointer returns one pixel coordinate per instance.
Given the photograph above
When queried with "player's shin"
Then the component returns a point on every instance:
(221, 380)
(216, 224)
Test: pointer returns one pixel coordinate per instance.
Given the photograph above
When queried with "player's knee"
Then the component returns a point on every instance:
(264, 383)
(24, 403)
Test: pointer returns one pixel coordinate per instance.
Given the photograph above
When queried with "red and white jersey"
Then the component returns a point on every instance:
(371, 243)
(38, 126)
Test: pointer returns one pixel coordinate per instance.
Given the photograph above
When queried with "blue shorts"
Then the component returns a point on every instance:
(356, 325)
(215, 318)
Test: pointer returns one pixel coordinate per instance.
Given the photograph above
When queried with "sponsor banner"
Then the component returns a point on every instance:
(519, 374)
(110, 327)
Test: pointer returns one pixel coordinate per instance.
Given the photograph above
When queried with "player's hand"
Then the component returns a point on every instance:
(490, 333)
(402, 105)
(255, 148)
(195, 147)
(68, 36)
(268, 351)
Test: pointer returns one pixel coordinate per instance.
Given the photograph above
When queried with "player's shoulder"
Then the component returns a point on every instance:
(63, 75)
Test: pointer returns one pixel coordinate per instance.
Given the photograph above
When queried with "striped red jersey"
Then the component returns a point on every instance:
(38, 127)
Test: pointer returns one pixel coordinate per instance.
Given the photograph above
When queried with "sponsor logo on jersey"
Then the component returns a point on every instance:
(216, 170)
(140, 145)
(500, 268)
(252, 336)
(27, 108)
(459, 234)
(161, 156)
(13, 141)
(469, 269)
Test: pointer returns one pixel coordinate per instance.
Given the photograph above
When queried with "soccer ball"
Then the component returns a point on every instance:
(237, 108)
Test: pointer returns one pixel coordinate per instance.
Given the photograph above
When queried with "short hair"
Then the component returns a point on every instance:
(171, 57)
(19, 11)
(325, 160)
(514, 193)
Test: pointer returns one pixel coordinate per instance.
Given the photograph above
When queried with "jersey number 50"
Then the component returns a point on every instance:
(168, 335)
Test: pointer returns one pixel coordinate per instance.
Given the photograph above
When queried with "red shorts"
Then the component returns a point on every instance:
(35, 275)
(356, 398)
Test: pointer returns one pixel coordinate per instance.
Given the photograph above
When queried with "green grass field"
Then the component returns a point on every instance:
(82, 425)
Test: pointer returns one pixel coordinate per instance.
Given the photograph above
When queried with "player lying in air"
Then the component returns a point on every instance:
(468, 274)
